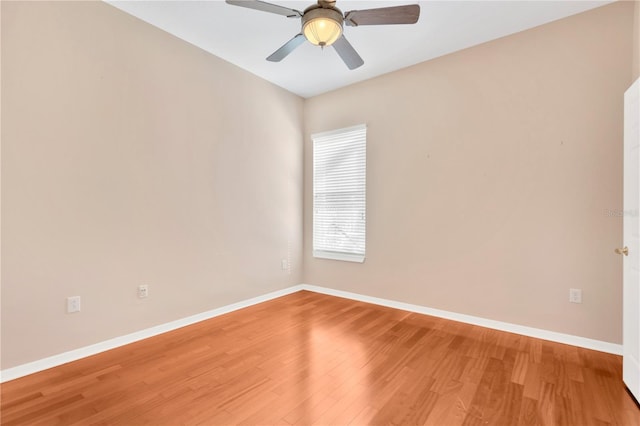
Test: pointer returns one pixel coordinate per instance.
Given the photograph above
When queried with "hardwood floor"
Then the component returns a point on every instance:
(310, 359)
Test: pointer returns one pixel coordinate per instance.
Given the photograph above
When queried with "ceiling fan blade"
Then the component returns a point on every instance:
(287, 48)
(347, 53)
(383, 16)
(266, 7)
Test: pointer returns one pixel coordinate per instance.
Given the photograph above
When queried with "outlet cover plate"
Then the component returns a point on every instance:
(575, 295)
(73, 304)
(143, 291)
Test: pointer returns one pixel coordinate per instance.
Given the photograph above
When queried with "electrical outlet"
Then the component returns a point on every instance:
(284, 264)
(73, 304)
(143, 291)
(575, 295)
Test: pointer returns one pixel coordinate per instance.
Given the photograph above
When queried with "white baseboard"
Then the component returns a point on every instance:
(538, 333)
(76, 354)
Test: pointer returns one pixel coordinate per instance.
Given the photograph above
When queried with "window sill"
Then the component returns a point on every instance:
(347, 257)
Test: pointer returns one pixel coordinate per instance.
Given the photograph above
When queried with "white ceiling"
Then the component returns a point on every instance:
(246, 37)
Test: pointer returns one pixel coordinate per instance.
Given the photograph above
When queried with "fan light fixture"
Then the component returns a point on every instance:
(322, 27)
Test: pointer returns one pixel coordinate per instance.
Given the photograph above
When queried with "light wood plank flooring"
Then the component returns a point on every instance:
(308, 359)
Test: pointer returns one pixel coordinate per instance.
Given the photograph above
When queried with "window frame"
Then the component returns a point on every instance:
(358, 180)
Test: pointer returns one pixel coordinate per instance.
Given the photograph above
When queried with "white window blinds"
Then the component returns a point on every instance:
(339, 189)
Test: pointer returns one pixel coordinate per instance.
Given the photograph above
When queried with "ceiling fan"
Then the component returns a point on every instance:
(322, 25)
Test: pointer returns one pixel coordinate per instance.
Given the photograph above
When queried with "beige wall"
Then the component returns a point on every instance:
(130, 157)
(636, 41)
(488, 175)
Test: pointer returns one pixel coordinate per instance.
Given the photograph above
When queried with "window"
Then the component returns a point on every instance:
(339, 189)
